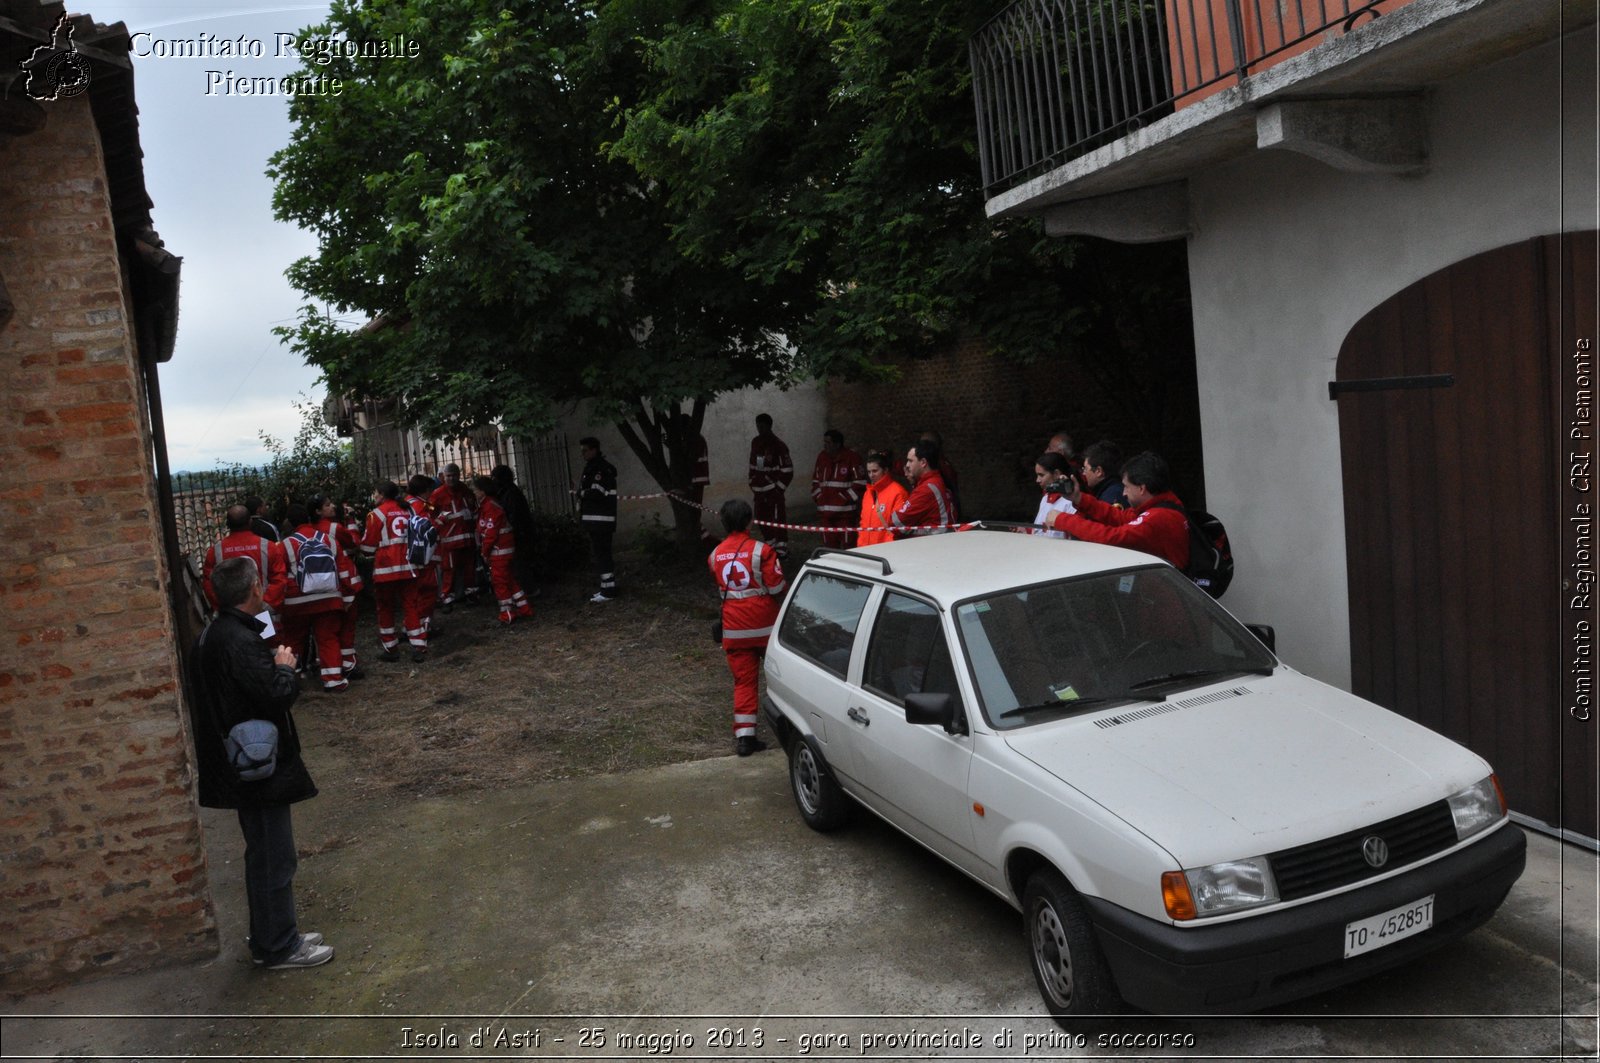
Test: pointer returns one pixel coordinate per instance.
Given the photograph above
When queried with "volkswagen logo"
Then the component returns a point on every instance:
(1375, 849)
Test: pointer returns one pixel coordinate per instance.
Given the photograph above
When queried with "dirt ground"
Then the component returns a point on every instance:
(581, 689)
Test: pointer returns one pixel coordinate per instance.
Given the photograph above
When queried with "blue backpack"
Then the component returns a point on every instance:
(315, 571)
(422, 541)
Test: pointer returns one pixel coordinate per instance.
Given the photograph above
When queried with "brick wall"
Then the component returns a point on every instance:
(996, 417)
(101, 865)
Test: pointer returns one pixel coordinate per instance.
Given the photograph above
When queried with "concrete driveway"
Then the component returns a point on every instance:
(687, 911)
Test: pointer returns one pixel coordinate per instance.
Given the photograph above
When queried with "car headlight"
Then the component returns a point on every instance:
(1219, 888)
(1477, 808)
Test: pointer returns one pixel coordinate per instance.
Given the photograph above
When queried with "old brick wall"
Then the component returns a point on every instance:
(996, 417)
(101, 865)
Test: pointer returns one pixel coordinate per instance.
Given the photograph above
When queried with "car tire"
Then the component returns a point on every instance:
(1068, 966)
(821, 803)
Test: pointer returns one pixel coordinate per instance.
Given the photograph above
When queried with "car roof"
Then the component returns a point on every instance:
(952, 567)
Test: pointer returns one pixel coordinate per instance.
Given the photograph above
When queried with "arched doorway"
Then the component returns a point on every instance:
(1456, 401)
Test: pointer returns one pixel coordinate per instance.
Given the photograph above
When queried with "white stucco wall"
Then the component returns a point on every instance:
(798, 418)
(1288, 254)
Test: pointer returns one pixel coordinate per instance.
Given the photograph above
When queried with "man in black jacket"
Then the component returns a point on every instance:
(597, 506)
(234, 677)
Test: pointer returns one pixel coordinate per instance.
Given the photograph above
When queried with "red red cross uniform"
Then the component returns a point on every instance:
(751, 582)
(771, 471)
(350, 584)
(424, 590)
(454, 510)
(274, 578)
(498, 546)
(928, 510)
(837, 483)
(385, 543)
(318, 615)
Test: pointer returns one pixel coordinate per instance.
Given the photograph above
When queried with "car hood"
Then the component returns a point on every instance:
(1250, 766)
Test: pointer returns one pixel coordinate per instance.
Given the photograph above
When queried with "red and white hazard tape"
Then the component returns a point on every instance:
(788, 527)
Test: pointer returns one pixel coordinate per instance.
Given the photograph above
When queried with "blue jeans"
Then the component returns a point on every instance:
(269, 866)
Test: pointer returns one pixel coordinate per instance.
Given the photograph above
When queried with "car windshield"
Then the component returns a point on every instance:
(1039, 652)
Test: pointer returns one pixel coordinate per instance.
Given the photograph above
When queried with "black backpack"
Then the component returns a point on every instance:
(1210, 557)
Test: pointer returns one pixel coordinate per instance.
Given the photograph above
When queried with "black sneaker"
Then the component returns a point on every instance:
(357, 672)
(748, 744)
(389, 655)
(419, 655)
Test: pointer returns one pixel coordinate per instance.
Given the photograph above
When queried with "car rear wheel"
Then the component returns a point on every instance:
(822, 804)
(1067, 962)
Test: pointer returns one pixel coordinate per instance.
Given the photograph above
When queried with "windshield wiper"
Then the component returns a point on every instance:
(1075, 703)
(1199, 673)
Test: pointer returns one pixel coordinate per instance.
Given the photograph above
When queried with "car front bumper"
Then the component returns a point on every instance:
(1251, 963)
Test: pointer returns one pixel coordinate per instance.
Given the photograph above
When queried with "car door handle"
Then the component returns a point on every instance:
(859, 717)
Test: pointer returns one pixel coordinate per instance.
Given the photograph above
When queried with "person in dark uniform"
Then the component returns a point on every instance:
(597, 508)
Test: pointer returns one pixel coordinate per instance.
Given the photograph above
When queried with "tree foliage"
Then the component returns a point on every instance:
(314, 462)
(465, 204)
(646, 203)
(830, 145)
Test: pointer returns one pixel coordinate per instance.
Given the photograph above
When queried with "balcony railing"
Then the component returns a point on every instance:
(1055, 79)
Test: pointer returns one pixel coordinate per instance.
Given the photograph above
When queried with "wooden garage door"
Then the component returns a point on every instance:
(1456, 398)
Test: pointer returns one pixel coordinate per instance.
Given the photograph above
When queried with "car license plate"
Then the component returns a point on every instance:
(1386, 928)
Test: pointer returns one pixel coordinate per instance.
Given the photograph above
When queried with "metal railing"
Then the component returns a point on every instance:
(540, 464)
(1055, 79)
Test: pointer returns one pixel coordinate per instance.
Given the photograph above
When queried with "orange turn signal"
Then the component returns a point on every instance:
(978, 808)
(1501, 794)
(1175, 895)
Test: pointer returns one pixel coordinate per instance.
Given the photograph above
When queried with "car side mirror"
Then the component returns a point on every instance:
(1264, 632)
(937, 709)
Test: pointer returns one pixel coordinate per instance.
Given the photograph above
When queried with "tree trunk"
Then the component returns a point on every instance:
(666, 441)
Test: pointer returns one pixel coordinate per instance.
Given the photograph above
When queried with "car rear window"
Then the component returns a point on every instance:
(821, 619)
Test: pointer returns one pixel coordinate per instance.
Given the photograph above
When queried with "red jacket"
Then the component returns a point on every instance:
(878, 506)
(343, 534)
(268, 557)
(309, 604)
(928, 504)
(770, 466)
(838, 481)
(1159, 531)
(751, 583)
(495, 537)
(385, 542)
(453, 508)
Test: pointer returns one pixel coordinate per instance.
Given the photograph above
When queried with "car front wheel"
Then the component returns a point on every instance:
(822, 804)
(1067, 962)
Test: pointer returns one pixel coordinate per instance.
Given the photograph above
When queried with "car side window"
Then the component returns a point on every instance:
(821, 620)
(908, 653)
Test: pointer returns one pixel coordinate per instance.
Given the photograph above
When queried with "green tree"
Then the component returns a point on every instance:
(826, 149)
(465, 205)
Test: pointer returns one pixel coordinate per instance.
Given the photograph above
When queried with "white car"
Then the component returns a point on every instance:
(1183, 820)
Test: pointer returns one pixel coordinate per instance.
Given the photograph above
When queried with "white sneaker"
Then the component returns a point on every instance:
(307, 955)
(599, 597)
(312, 938)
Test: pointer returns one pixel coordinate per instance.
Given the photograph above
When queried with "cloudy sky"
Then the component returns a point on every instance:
(204, 161)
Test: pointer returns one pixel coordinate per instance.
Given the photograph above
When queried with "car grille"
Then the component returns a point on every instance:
(1333, 862)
